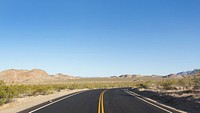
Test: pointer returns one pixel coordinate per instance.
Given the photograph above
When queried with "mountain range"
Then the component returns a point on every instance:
(40, 76)
(183, 73)
(176, 75)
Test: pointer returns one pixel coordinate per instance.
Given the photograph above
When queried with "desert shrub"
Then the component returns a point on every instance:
(2, 92)
(42, 90)
(6, 93)
(144, 84)
(185, 82)
(166, 84)
(196, 81)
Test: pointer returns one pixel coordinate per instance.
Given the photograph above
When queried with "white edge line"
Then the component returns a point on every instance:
(54, 102)
(159, 103)
(148, 102)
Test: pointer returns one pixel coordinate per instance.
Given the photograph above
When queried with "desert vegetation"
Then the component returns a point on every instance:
(181, 93)
(164, 85)
(185, 83)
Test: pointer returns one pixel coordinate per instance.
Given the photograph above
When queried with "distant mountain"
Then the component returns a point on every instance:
(176, 75)
(182, 74)
(136, 76)
(195, 71)
(64, 77)
(32, 76)
(173, 76)
(127, 76)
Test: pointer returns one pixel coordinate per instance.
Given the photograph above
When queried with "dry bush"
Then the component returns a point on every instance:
(167, 84)
(196, 81)
(185, 83)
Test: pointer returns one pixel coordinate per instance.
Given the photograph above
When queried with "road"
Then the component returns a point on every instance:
(99, 101)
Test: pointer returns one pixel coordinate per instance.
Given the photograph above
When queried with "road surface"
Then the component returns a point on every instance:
(99, 101)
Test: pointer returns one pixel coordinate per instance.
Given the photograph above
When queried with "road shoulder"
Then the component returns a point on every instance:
(154, 103)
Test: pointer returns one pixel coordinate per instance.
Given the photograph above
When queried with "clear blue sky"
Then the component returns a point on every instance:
(100, 37)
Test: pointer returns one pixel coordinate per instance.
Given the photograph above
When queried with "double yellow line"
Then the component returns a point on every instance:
(101, 104)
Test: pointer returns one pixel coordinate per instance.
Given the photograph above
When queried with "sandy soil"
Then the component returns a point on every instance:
(20, 104)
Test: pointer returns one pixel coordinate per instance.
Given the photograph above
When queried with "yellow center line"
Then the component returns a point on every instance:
(101, 103)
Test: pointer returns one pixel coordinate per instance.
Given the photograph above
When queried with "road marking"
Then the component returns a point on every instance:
(99, 105)
(54, 102)
(131, 93)
(101, 102)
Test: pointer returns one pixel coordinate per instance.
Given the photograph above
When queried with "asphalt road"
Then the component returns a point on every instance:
(99, 101)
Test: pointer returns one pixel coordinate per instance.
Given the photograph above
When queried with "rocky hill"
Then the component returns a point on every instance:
(24, 76)
(31, 76)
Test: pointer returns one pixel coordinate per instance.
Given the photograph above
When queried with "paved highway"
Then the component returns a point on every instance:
(100, 101)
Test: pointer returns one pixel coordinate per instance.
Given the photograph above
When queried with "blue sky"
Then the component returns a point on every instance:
(100, 37)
